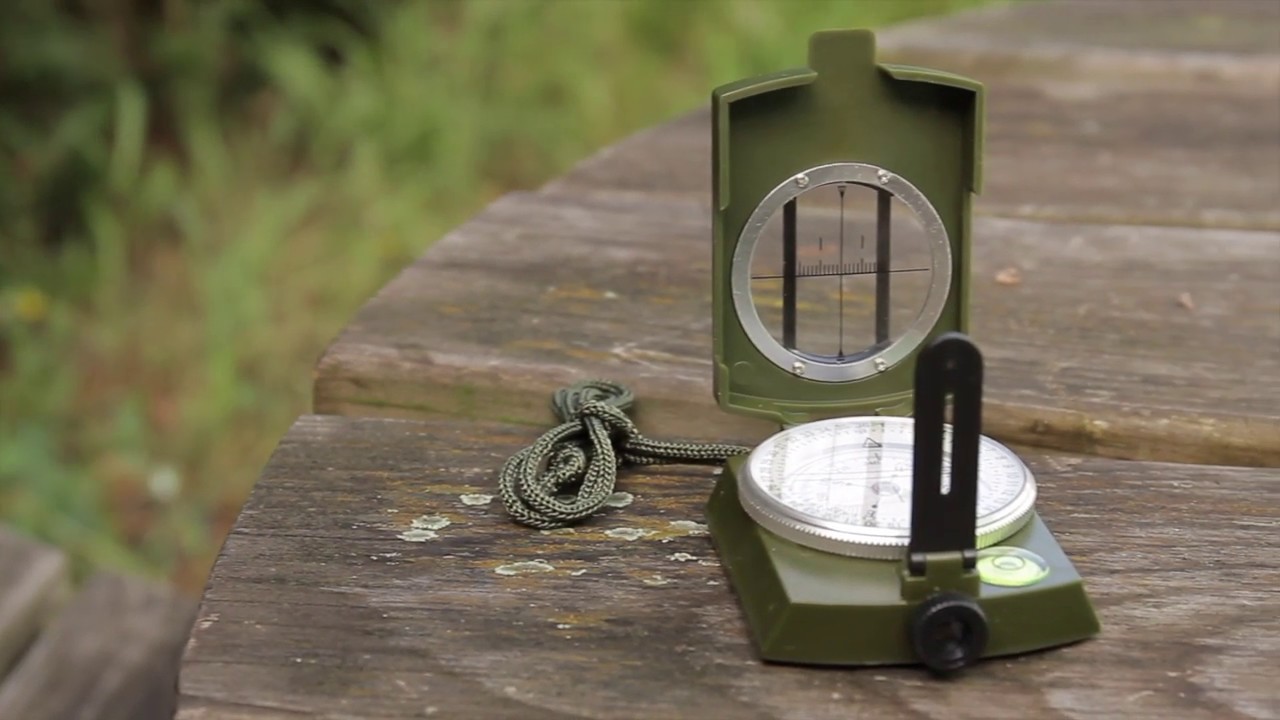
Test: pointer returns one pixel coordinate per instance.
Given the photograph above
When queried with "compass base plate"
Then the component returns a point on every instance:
(811, 607)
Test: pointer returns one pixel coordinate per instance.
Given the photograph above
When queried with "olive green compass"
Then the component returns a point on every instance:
(859, 535)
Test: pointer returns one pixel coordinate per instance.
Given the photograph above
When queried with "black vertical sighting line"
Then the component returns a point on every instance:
(789, 274)
(840, 352)
(883, 208)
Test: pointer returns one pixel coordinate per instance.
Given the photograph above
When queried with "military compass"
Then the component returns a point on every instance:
(872, 528)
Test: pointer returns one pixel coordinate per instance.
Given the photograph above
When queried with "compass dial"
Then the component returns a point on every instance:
(844, 486)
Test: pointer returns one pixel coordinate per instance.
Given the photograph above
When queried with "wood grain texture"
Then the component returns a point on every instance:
(318, 607)
(112, 654)
(1092, 352)
(34, 582)
(1122, 144)
(1219, 30)
(1150, 113)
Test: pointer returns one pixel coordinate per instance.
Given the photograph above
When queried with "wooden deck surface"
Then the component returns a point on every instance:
(1133, 182)
(320, 606)
(107, 650)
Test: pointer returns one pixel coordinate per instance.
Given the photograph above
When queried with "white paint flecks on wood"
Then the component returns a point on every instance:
(1179, 560)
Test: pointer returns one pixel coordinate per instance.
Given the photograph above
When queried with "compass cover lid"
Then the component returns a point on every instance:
(845, 184)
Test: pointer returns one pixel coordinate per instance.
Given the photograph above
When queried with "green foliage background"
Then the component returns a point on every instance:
(195, 196)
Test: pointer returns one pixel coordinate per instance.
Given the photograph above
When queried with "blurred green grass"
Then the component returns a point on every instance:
(194, 197)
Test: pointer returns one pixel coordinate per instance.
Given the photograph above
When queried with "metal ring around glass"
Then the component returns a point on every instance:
(860, 366)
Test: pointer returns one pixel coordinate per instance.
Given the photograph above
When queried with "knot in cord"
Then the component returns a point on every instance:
(568, 473)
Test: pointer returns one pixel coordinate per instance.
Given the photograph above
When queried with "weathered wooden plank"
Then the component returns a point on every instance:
(1072, 149)
(1132, 342)
(1159, 113)
(319, 606)
(1170, 30)
(34, 581)
(112, 654)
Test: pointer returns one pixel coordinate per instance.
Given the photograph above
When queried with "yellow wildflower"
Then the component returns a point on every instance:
(30, 304)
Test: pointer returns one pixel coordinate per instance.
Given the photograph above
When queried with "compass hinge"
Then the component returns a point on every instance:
(925, 574)
(917, 562)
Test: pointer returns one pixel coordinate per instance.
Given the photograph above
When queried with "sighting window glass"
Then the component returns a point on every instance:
(846, 277)
(845, 268)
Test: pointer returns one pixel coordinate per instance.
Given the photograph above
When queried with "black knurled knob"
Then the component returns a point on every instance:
(948, 632)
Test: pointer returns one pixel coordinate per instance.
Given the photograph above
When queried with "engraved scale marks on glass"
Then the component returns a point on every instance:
(840, 272)
(850, 479)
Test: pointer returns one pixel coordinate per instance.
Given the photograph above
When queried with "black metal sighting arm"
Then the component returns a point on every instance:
(950, 365)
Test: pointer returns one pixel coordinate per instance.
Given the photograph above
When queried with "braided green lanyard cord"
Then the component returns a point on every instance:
(569, 472)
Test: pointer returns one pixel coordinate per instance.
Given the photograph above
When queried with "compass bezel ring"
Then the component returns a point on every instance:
(867, 364)
(859, 540)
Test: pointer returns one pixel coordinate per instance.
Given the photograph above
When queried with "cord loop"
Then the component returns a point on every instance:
(567, 474)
